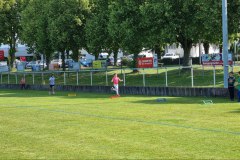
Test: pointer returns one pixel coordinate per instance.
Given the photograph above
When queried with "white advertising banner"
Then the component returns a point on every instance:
(155, 61)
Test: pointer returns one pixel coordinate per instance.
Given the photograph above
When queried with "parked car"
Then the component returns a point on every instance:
(119, 61)
(103, 55)
(42, 64)
(110, 61)
(86, 62)
(69, 62)
(170, 56)
(57, 61)
(30, 64)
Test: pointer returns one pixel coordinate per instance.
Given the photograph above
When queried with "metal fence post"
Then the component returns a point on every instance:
(33, 78)
(192, 75)
(8, 77)
(64, 75)
(124, 78)
(214, 76)
(166, 74)
(144, 83)
(91, 78)
(106, 79)
(77, 78)
(16, 78)
(43, 79)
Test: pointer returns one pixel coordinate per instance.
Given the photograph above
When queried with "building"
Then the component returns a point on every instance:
(21, 50)
(196, 50)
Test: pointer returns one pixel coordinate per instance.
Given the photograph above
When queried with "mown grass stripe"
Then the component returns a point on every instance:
(134, 120)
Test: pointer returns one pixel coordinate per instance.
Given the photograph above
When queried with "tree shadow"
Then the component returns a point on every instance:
(91, 95)
(186, 100)
(235, 111)
(59, 94)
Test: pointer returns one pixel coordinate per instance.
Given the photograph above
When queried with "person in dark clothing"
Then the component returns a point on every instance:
(231, 88)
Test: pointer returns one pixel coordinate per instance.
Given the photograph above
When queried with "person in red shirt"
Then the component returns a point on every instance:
(115, 81)
(23, 83)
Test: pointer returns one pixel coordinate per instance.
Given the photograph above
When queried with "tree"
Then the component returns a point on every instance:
(96, 28)
(35, 32)
(66, 25)
(211, 18)
(10, 25)
(125, 25)
(155, 33)
(186, 22)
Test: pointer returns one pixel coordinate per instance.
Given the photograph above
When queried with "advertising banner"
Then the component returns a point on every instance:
(1, 55)
(23, 59)
(99, 64)
(74, 66)
(215, 59)
(155, 61)
(4, 69)
(146, 62)
(20, 66)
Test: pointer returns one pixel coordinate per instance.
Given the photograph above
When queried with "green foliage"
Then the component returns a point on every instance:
(125, 25)
(97, 35)
(126, 62)
(66, 25)
(35, 26)
(10, 25)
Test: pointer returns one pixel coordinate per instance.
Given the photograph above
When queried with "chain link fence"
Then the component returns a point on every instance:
(194, 76)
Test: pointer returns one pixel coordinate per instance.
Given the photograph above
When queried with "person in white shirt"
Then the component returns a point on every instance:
(52, 84)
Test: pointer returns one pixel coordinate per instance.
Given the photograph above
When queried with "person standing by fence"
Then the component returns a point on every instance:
(51, 84)
(23, 83)
(231, 88)
(238, 86)
(115, 81)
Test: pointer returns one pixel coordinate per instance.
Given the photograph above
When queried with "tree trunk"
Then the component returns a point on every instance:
(206, 47)
(187, 45)
(157, 51)
(115, 56)
(63, 60)
(11, 56)
(220, 48)
(67, 51)
(48, 56)
(75, 55)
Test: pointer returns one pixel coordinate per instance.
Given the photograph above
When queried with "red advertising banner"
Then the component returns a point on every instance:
(145, 62)
(23, 59)
(1, 55)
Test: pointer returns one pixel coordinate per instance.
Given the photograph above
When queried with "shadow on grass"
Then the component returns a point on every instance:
(186, 100)
(235, 111)
(88, 95)
(32, 93)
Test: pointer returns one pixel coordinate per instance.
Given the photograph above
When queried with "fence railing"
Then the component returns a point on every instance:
(192, 76)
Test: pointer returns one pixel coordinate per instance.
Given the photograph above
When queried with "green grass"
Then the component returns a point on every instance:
(34, 125)
(153, 77)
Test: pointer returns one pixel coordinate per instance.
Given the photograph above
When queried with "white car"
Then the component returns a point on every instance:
(170, 56)
(30, 64)
(42, 64)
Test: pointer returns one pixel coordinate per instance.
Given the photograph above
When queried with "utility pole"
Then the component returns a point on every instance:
(225, 41)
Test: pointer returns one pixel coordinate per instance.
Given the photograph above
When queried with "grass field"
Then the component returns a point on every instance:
(34, 125)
